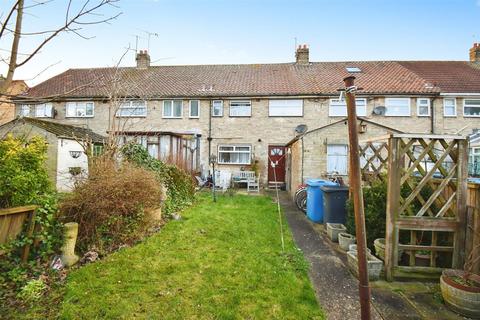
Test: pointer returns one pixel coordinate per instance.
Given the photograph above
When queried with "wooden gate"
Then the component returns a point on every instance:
(424, 220)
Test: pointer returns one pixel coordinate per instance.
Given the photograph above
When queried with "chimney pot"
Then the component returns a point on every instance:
(143, 59)
(475, 52)
(302, 54)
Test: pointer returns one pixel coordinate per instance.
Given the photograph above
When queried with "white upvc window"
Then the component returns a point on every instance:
(172, 108)
(194, 109)
(79, 109)
(240, 108)
(234, 154)
(338, 108)
(337, 158)
(471, 107)
(449, 107)
(397, 107)
(133, 108)
(217, 108)
(152, 149)
(285, 108)
(41, 110)
(25, 110)
(423, 107)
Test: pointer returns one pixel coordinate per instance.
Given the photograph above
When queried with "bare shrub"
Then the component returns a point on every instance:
(110, 205)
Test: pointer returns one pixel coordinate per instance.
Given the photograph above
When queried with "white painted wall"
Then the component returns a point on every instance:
(65, 161)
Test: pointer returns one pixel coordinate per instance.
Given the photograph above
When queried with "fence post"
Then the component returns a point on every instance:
(393, 202)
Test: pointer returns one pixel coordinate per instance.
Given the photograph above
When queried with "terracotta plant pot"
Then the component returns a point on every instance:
(460, 297)
(345, 240)
(333, 229)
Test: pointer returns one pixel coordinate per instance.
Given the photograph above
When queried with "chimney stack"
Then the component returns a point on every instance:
(302, 54)
(143, 59)
(475, 53)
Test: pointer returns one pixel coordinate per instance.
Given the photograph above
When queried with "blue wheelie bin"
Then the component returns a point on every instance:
(315, 198)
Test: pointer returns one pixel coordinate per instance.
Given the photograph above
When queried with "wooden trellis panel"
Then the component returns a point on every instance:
(373, 160)
(426, 203)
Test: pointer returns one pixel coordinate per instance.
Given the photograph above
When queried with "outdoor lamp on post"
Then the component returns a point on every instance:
(213, 160)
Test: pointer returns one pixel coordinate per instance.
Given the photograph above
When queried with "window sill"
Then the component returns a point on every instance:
(285, 116)
(240, 116)
(471, 116)
(131, 116)
(423, 115)
(193, 117)
(172, 117)
(235, 164)
(445, 116)
(72, 117)
(400, 115)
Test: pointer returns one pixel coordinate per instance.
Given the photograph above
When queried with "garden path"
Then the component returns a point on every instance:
(337, 289)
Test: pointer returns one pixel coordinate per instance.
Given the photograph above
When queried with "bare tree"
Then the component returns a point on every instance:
(77, 16)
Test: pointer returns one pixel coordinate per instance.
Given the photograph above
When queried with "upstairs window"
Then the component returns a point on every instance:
(172, 108)
(43, 110)
(79, 109)
(285, 108)
(338, 108)
(449, 107)
(194, 109)
(240, 108)
(132, 109)
(471, 107)
(217, 108)
(234, 154)
(397, 107)
(423, 107)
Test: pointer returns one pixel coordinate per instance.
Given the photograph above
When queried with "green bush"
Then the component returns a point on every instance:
(375, 201)
(375, 204)
(179, 184)
(24, 181)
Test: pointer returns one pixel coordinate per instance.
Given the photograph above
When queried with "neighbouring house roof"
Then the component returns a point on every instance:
(60, 130)
(344, 120)
(284, 79)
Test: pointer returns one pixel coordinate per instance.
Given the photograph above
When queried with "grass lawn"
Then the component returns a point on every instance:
(220, 261)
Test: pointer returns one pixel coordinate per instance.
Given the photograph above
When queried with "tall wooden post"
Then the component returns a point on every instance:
(393, 203)
(356, 188)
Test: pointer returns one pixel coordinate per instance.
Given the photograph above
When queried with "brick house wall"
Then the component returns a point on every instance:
(259, 131)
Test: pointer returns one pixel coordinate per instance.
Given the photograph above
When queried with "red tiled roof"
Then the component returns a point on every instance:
(449, 76)
(318, 78)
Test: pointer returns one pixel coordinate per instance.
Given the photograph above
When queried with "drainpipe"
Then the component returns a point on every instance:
(432, 116)
(303, 153)
(209, 138)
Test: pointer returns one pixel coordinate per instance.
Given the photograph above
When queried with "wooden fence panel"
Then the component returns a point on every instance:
(12, 221)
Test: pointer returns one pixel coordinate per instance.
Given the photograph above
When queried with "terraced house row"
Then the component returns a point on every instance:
(247, 114)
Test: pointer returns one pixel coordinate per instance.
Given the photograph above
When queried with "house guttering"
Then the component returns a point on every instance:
(466, 94)
(222, 96)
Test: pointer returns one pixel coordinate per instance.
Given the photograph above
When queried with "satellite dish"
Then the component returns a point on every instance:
(380, 110)
(301, 129)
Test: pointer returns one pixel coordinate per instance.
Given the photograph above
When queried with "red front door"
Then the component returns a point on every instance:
(276, 164)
